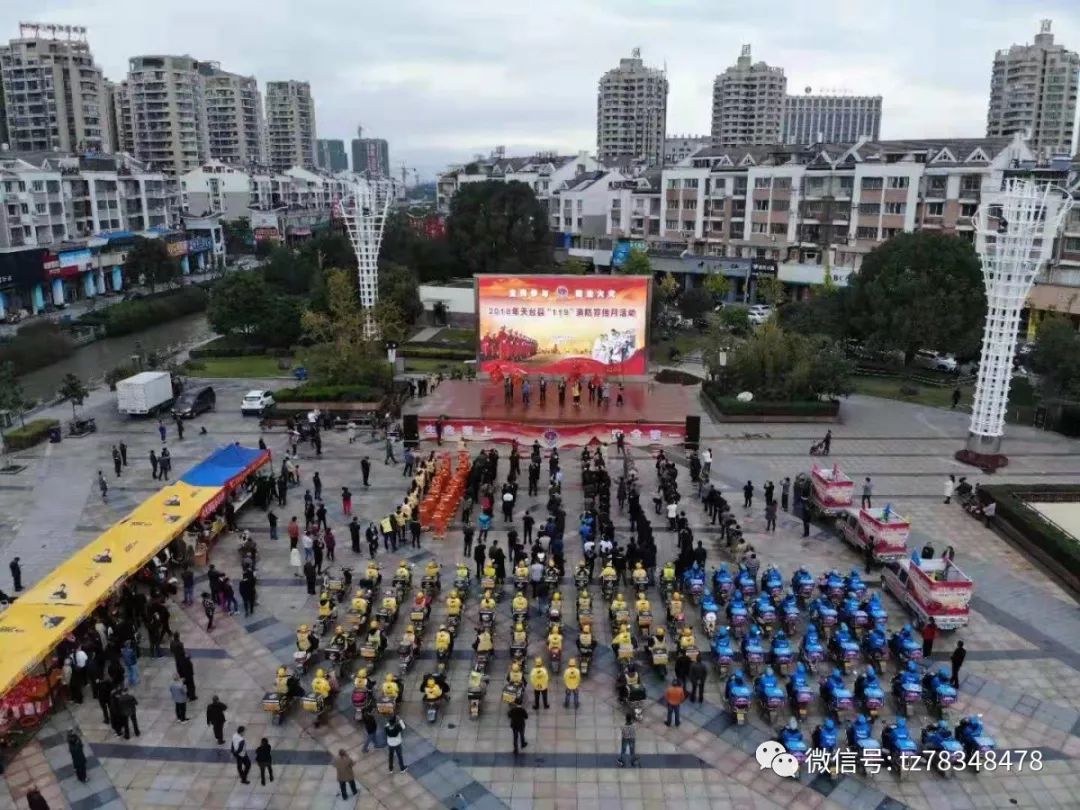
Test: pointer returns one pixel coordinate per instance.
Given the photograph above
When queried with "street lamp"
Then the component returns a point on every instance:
(391, 351)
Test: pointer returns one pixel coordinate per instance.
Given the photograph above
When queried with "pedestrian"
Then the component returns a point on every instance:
(467, 539)
(343, 766)
(186, 670)
(628, 742)
(950, 487)
(372, 535)
(164, 463)
(179, 698)
(215, 718)
(309, 577)
(127, 705)
(209, 607)
(78, 755)
(265, 760)
(407, 466)
(785, 490)
(674, 695)
(103, 486)
(161, 429)
(518, 716)
(123, 453)
(699, 671)
(539, 679)
(354, 533)
(572, 682)
(116, 461)
(316, 482)
(154, 465)
(389, 450)
(372, 729)
(929, 633)
(957, 661)
(240, 754)
(346, 504)
(805, 519)
(868, 557)
(955, 398)
(827, 441)
(748, 494)
(414, 529)
(365, 469)
(34, 799)
(16, 573)
(527, 523)
(770, 516)
(867, 491)
(179, 429)
(395, 734)
(131, 663)
(330, 543)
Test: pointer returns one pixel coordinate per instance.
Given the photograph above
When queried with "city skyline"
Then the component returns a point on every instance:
(440, 92)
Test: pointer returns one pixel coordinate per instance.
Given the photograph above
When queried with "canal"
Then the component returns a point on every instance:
(90, 363)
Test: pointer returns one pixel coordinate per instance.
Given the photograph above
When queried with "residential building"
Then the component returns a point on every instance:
(168, 112)
(235, 127)
(544, 173)
(582, 207)
(679, 147)
(330, 155)
(54, 93)
(123, 123)
(748, 103)
(371, 156)
(1033, 90)
(631, 112)
(290, 122)
(831, 118)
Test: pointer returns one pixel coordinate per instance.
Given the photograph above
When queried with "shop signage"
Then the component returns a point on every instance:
(197, 244)
(177, 249)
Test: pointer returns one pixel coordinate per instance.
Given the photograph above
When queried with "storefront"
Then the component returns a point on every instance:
(70, 275)
(21, 286)
(205, 241)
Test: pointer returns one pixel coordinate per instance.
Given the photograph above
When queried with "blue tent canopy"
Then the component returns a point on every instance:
(224, 465)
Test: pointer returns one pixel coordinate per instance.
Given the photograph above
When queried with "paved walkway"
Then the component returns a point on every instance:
(1022, 672)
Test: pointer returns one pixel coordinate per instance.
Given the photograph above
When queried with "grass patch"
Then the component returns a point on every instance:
(255, 366)
(682, 342)
(428, 365)
(897, 388)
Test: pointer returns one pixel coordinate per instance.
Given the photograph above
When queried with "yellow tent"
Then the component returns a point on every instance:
(28, 633)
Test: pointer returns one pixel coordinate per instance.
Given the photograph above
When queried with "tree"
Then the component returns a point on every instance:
(1056, 357)
(238, 235)
(499, 227)
(921, 290)
(390, 320)
(399, 285)
(149, 260)
(778, 366)
(73, 389)
(12, 398)
(695, 302)
(237, 303)
(574, 267)
(292, 273)
(824, 314)
(329, 250)
(343, 353)
(736, 320)
(717, 286)
(770, 290)
(669, 287)
(636, 264)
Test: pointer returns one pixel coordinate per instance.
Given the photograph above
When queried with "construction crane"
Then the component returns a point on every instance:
(405, 174)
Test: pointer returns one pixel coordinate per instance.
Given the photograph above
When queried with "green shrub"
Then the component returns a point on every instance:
(907, 390)
(435, 352)
(670, 375)
(121, 372)
(730, 406)
(29, 434)
(1012, 507)
(314, 392)
(228, 346)
(36, 345)
(132, 316)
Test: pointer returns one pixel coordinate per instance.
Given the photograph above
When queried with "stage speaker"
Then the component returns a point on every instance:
(693, 432)
(410, 425)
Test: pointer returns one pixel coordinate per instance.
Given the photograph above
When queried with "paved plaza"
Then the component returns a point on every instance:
(1022, 671)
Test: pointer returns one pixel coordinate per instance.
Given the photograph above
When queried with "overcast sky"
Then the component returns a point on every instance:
(443, 81)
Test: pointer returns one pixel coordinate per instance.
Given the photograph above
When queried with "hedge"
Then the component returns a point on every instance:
(36, 345)
(227, 346)
(435, 352)
(133, 316)
(671, 375)
(315, 392)
(29, 434)
(1030, 527)
(734, 407)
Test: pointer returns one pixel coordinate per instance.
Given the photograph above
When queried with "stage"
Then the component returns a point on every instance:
(651, 413)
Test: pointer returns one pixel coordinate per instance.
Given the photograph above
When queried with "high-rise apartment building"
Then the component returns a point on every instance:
(748, 103)
(168, 112)
(122, 124)
(631, 112)
(54, 93)
(1033, 89)
(370, 156)
(236, 129)
(680, 147)
(831, 118)
(330, 155)
(290, 123)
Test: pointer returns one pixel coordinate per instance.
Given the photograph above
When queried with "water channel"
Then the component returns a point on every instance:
(90, 362)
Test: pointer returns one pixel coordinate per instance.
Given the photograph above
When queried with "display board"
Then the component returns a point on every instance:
(563, 325)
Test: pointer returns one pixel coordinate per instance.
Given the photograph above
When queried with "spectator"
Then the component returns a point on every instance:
(628, 742)
(674, 695)
(518, 716)
(264, 759)
(395, 732)
(343, 765)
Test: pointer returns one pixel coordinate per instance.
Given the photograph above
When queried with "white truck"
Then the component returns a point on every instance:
(145, 394)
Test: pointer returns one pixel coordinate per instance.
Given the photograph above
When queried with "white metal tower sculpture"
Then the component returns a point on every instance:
(1017, 226)
(364, 209)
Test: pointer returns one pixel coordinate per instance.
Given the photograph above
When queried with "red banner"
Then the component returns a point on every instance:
(637, 433)
(563, 325)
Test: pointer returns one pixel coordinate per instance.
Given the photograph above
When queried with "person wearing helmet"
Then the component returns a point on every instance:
(453, 604)
(363, 681)
(389, 603)
(667, 573)
(621, 639)
(326, 607)
(639, 576)
(373, 575)
(339, 640)
(520, 603)
(376, 638)
(520, 637)
(403, 573)
(538, 679)
(585, 641)
(686, 639)
(409, 644)
(675, 605)
(432, 570)
(584, 602)
(483, 642)
(642, 605)
(444, 642)
(515, 676)
(390, 688)
(432, 690)
(659, 638)
(320, 684)
(607, 573)
(572, 681)
(281, 683)
(462, 572)
(421, 603)
(617, 604)
(554, 641)
(306, 641)
(359, 604)
(487, 602)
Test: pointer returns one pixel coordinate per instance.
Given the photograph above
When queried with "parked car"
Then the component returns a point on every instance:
(759, 313)
(195, 401)
(255, 402)
(935, 361)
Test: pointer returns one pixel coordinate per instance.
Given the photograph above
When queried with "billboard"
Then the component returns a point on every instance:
(563, 325)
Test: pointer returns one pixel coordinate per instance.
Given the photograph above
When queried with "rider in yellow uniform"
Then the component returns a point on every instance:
(375, 637)
(675, 605)
(640, 576)
(320, 685)
(607, 573)
(389, 603)
(617, 604)
(432, 571)
(281, 683)
(408, 640)
(361, 679)
(539, 679)
(443, 640)
(686, 639)
(487, 602)
(520, 637)
(453, 604)
(667, 573)
(390, 688)
(404, 573)
(659, 639)
(432, 691)
(359, 603)
(621, 639)
(462, 572)
(483, 643)
(555, 610)
(521, 572)
(554, 641)
(306, 641)
(585, 642)
(489, 570)
(515, 675)
(520, 604)
(584, 602)
(326, 607)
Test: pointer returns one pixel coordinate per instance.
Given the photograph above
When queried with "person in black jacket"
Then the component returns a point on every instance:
(518, 715)
(215, 718)
(264, 760)
(78, 755)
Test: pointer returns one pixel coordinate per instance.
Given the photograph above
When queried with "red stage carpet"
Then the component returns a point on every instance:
(652, 413)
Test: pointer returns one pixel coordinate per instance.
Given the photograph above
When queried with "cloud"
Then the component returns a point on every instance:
(442, 81)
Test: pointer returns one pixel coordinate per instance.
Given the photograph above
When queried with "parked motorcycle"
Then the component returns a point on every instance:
(938, 692)
(789, 614)
(811, 650)
(802, 586)
(907, 688)
(722, 584)
(835, 695)
(976, 742)
(765, 613)
(769, 695)
(844, 649)
(772, 583)
(869, 694)
(753, 650)
(937, 739)
(800, 692)
(738, 692)
(723, 652)
(781, 653)
(897, 744)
